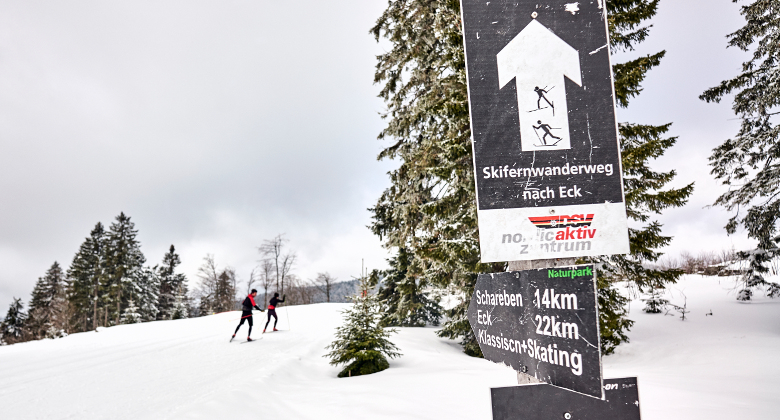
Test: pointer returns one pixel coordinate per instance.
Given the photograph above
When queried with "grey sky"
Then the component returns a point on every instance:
(215, 125)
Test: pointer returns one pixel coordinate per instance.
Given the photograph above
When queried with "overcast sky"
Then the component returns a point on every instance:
(218, 124)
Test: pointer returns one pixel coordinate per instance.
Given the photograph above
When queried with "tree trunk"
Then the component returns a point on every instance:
(523, 378)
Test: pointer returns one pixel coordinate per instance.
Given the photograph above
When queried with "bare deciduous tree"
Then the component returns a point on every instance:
(324, 284)
(208, 275)
(266, 278)
(253, 277)
(274, 251)
(299, 292)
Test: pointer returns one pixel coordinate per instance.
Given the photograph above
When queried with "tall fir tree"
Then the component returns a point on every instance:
(173, 286)
(12, 329)
(123, 266)
(646, 191)
(362, 344)
(430, 207)
(749, 164)
(47, 311)
(85, 277)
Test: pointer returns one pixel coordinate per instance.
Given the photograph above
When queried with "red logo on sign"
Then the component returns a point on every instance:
(562, 221)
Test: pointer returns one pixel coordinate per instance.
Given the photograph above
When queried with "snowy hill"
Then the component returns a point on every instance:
(707, 367)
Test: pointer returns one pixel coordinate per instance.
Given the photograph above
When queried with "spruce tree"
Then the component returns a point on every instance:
(646, 190)
(48, 306)
(85, 277)
(173, 287)
(225, 292)
(430, 208)
(749, 163)
(12, 329)
(362, 344)
(404, 303)
(123, 265)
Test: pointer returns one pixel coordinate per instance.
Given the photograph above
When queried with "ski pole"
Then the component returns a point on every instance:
(288, 319)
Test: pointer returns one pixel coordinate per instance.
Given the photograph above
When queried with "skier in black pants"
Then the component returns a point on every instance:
(246, 314)
(272, 310)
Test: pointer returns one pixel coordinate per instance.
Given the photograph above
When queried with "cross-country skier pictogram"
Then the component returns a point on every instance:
(546, 128)
(539, 91)
(246, 314)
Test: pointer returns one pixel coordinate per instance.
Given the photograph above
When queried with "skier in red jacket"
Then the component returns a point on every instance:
(272, 310)
(246, 314)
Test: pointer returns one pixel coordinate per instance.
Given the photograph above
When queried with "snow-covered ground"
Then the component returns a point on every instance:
(707, 367)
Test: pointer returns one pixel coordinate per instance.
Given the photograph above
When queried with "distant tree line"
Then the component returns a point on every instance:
(106, 284)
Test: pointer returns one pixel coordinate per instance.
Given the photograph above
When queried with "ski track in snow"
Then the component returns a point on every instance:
(706, 367)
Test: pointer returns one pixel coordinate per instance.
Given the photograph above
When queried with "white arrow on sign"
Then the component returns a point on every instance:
(538, 60)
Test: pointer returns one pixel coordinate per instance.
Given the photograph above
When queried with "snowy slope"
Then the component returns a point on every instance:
(707, 367)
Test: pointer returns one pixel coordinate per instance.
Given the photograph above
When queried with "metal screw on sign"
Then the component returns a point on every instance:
(534, 15)
(567, 416)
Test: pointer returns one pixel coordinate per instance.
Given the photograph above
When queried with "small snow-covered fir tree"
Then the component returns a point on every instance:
(749, 164)
(131, 314)
(361, 344)
(12, 328)
(655, 302)
(181, 307)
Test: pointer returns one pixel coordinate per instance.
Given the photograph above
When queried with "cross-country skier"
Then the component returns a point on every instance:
(246, 314)
(272, 310)
(539, 91)
(546, 128)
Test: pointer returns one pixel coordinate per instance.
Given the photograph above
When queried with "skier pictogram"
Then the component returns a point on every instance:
(541, 91)
(539, 62)
(546, 128)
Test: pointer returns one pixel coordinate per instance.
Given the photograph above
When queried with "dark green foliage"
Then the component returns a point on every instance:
(48, 306)
(362, 344)
(123, 266)
(749, 164)
(12, 329)
(85, 277)
(173, 288)
(645, 189)
(613, 323)
(430, 208)
(655, 303)
(225, 292)
(404, 303)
